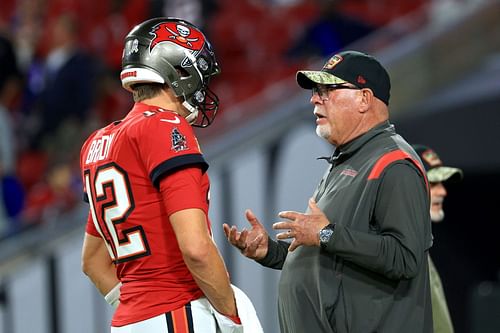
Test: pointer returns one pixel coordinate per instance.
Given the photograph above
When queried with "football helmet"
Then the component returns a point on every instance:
(173, 51)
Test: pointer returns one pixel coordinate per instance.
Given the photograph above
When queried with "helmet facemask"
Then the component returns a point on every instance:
(202, 103)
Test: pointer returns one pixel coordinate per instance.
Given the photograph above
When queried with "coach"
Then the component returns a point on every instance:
(357, 260)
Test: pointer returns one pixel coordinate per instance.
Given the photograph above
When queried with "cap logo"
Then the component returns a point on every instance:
(177, 33)
(333, 61)
(431, 158)
(361, 80)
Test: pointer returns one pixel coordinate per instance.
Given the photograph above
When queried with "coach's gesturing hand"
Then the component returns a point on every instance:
(252, 243)
(303, 228)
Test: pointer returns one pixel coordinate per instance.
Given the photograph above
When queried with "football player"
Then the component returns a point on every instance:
(148, 247)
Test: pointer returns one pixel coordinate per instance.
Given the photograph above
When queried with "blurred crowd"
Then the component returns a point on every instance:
(59, 75)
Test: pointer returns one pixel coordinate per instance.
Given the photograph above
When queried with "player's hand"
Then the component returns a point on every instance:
(303, 228)
(252, 243)
(235, 319)
(228, 324)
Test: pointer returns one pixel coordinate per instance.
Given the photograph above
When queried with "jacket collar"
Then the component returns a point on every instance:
(348, 149)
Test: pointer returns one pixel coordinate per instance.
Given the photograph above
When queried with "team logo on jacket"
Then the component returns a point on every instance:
(179, 34)
(178, 141)
(349, 172)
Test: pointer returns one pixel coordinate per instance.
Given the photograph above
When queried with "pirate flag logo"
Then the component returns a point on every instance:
(178, 141)
(179, 34)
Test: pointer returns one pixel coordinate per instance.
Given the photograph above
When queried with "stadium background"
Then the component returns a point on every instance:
(444, 60)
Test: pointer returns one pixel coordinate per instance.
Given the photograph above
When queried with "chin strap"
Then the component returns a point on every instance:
(193, 110)
(193, 113)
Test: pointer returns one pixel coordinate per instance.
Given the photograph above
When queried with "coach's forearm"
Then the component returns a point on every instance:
(210, 274)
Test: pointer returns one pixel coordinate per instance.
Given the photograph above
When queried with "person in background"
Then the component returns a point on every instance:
(357, 261)
(438, 176)
(67, 94)
(11, 191)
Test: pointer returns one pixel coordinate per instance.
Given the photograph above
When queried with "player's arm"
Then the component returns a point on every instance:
(185, 199)
(97, 264)
(203, 259)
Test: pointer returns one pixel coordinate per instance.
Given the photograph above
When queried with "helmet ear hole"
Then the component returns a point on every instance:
(182, 72)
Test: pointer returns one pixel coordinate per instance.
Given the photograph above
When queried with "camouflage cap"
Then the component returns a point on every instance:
(436, 171)
(357, 68)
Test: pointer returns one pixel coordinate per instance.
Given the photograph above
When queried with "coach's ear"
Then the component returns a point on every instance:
(366, 99)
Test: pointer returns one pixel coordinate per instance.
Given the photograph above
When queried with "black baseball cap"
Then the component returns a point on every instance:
(357, 68)
(436, 171)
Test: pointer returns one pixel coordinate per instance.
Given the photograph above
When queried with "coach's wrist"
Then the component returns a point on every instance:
(325, 235)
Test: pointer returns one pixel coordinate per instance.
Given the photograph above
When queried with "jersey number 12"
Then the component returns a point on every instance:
(111, 202)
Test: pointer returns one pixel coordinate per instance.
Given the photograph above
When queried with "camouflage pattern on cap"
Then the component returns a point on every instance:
(308, 79)
(443, 174)
(436, 171)
(358, 68)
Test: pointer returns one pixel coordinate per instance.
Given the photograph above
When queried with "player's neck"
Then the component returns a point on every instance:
(167, 101)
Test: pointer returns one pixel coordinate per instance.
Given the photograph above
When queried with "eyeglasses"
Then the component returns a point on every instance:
(323, 89)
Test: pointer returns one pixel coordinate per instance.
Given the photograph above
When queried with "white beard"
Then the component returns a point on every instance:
(437, 216)
(323, 132)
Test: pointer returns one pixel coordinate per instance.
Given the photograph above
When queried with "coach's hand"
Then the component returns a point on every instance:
(252, 243)
(303, 228)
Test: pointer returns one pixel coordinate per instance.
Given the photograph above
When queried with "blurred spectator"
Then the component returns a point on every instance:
(57, 194)
(69, 51)
(57, 101)
(330, 32)
(25, 23)
(68, 90)
(11, 193)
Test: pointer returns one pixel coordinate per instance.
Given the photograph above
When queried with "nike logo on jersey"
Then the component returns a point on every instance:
(176, 120)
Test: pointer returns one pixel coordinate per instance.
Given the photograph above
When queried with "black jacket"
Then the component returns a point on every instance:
(373, 275)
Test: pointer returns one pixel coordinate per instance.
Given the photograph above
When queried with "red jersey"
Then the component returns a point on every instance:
(122, 165)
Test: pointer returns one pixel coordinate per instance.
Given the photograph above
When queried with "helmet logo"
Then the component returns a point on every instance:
(203, 64)
(179, 34)
(131, 47)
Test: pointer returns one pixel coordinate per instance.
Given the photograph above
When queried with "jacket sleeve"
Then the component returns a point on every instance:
(400, 228)
(276, 254)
